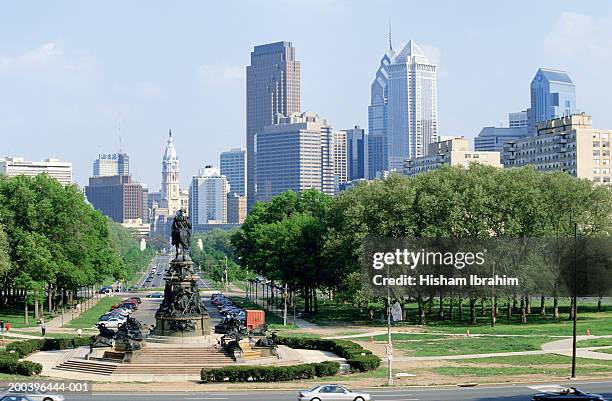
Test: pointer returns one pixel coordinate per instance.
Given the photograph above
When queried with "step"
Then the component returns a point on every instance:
(87, 367)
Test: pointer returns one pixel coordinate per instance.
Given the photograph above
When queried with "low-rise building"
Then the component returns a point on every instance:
(568, 144)
(453, 152)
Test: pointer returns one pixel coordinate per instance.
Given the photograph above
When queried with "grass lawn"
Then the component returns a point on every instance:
(469, 345)
(607, 351)
(596, 342)
(90, 317)
(15, 315)
(555, 365)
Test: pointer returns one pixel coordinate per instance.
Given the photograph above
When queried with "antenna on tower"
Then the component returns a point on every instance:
(390, 44)
(119, 131)
(170, 133)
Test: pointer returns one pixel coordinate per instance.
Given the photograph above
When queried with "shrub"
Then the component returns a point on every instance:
(358, 358)
(269, 373)
(26, 347)
(15, 367)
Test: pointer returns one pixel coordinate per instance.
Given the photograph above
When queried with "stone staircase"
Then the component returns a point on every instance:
(174, 361)
(85, 366)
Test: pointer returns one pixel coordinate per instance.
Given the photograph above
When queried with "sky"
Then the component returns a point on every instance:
(77, 76)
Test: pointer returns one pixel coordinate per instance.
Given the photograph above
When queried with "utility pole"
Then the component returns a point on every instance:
(574, 306)
(493, 299)
(285, 296)
(389, 343)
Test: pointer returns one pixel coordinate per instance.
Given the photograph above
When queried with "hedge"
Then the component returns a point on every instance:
(358, 358)
(9, 359)
(26, 347)
(244, 373)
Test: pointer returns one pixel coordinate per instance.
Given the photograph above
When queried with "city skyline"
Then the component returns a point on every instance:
(71, 92)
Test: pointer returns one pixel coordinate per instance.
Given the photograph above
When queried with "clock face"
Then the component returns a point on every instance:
(539, 77)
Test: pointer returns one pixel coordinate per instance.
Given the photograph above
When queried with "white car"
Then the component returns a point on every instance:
(332, 392)
(40, 396)
(112, 323)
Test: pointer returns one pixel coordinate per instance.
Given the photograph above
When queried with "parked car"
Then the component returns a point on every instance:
(105, 290)
(113, 322)
(559, 393)
(332, 392)
(137, 299)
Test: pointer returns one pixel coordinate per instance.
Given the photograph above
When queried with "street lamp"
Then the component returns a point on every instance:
(574, 306)
(389, 343)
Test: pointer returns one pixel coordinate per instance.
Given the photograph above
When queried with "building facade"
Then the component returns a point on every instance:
(518, 119)
(356, 153)
(170, 185)
(340, 161)
(273, 89)
(553, 95)
(569, 144)
(295, 154)
(233, 167)
(13, 166)
(117, 197)
(236, 208)
(453, 152)
(111, 164)
(208, 197)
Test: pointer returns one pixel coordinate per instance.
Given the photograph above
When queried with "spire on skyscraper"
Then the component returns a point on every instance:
(390, 44)
(170, 132)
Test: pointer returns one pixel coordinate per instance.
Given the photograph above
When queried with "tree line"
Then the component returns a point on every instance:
(314, 242)
(53, 244)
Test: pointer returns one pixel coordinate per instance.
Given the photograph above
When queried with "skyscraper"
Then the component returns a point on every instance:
(208, 197)
(273, 89)
(553, 95)
(357, 153)
(111, 164)
(403, 113)
(233, 166)
(295, 154)
(170, 189)
(117, 197)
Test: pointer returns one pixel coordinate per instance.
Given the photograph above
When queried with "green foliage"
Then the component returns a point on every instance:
(217, 246)
(55, 238)
(358, 358)
(269, 373)
(23, 368)
(26, 347)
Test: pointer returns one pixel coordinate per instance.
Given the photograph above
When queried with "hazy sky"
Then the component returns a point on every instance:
(70, 70)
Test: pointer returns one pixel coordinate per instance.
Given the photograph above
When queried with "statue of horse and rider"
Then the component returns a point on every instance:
(181, 233)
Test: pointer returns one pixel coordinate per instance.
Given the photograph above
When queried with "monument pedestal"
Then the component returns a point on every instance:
(181, 313)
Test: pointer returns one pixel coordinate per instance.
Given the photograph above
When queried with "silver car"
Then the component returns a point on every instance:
(332, 392)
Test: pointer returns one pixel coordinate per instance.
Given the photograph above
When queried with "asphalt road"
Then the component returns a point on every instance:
(155, 274)
(481, 393)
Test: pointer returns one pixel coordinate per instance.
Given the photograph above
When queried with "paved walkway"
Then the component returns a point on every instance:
(564, 347)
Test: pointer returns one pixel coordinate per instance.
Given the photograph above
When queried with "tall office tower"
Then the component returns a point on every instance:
(295, 154)
(273, 89)
(208, 197)
(117, 197)
(518, 119)
(111, 164)
(13, 166)
(340, 159)
(553, 95)
(404, 93)
(233, 167)
(356, 153)
(170, 190)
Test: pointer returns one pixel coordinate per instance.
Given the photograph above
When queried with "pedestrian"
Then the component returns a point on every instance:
(1, 326)
(43, 328)
(7, 326)
(79, 332)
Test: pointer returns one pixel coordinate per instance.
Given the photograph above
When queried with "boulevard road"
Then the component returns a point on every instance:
(520, 392)
(154, 277)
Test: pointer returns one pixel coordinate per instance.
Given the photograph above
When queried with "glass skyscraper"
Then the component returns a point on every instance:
(403, 112)
(553, 95)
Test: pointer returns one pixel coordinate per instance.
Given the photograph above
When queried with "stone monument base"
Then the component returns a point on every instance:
(182, 326)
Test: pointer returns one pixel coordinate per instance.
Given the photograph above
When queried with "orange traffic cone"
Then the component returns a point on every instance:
(588, 333)
(467, 334)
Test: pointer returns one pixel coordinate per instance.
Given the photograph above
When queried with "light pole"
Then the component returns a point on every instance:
(226, 282)
(285, 296)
